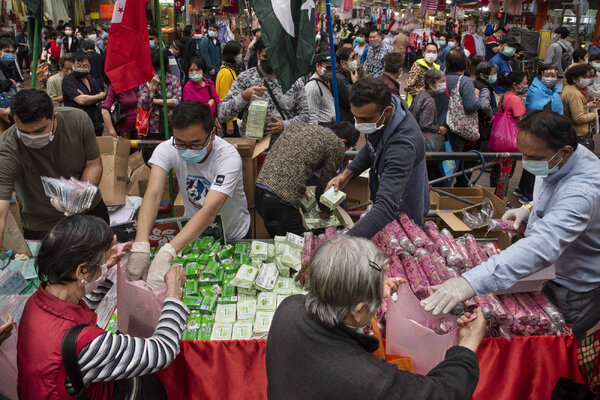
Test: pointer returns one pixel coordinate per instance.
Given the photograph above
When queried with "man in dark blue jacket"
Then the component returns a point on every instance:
(395, 153)
(506, 51)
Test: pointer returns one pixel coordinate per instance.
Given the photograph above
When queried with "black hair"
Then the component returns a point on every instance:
(31, 105)
(81, 56)
(88, 29)
(430, 44)
(577, 71)
(7, 42)
(87, 44)
(214, 26)
(379, 32)
(255, 31)
(369, 90)
(453, 36)
(75, 240)
(68, 25)
(515, 77)
(230, 51)
(199, 62)
(344, 130)
(63, 60)
(155, 56)
(594, 56)
(393, 62)
(562, 31)
(579, 55)
(500, 28)
(343, 54)
(553, 128)
(347, 41)
(191, 112)
(485, 68)
(152, 32)
(456, 61)
(259, 45)
(188, 30)
(547, 67)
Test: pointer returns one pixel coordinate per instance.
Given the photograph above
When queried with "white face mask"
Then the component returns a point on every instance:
(91, 286)
(36, 141)
(369, 127)
(353, 65)
(430, 57)
(92, 37)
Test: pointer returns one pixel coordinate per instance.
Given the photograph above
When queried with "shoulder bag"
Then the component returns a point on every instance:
(461, 123)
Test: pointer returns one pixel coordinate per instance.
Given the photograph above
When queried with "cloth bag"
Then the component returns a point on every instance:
(504, 132)
(461, 123)
(142, 119)
(448, 167)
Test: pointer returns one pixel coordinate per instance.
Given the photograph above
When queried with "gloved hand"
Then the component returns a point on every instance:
(139, 261)
(518, 215)
(56, 204)
(448, 295)
(160, 265)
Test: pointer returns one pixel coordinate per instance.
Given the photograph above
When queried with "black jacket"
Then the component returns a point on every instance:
(306, 360)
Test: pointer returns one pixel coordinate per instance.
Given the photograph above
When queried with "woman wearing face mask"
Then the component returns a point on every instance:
(416, 76)
(321, 335)
(512, 104)
(199, 88)
(73, 265)
(232, 64)
(577, 103)
(361, 47)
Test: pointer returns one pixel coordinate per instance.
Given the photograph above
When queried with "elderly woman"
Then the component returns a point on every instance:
(72, 265)
(315, 337)
(577, 102)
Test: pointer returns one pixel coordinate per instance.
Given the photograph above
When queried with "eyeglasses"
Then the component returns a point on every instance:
(195, 146)
(375, 266)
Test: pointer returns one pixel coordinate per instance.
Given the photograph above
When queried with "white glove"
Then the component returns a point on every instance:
(139, 261)
(519, 215)
(56, 204)
(160, 265)
(448, 295)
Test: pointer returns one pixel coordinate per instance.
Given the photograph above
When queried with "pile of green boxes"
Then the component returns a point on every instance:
(233, 290)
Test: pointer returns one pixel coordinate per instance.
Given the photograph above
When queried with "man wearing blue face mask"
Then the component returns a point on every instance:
(210, 50)
(506, 51)
(563, 228)
(8, 70)
(209, 172)
(395, 154)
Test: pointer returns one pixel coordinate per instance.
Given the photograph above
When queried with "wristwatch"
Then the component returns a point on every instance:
(528, 206)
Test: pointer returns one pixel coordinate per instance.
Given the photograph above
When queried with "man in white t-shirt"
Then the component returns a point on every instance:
(209, 172)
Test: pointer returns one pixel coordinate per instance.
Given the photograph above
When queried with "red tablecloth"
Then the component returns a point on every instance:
(524, 368)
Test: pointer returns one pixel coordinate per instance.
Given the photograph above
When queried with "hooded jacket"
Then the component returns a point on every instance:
(396, 157)
(555, 52)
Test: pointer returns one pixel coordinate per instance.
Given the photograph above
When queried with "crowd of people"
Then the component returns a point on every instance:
(448, 102)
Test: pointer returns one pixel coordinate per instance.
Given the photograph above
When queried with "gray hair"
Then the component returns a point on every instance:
(344, 272)
(431, 76)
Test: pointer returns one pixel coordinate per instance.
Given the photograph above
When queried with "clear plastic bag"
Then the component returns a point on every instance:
(72, 195)
(478, 218)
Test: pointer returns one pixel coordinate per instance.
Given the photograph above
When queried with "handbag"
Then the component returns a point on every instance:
(461, 123)
(142, 119)
(503, 137)
(147, 387)
(117, 111)
(448, 167)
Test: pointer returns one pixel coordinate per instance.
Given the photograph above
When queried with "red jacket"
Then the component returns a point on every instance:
(45, 321)
(55, 50)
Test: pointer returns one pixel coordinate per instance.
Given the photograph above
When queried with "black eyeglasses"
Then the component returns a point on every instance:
(182, 146)
(375, 266)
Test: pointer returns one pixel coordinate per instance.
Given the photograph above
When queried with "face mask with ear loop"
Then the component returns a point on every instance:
(369, 127)
(93, 285)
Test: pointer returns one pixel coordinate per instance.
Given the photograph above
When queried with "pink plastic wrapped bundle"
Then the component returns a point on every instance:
(441, 326)
(462, 248)
(414, 233)
(430, 270)
(329, 232)
(490, 249)
(507, 226)
(416, 280)
(434, 234)
(519, 313)
(488, 313)
(308, 247)
(395, 268)
(551, 311)
(456, 258)
(501, 314)
(470, 305)
(535, 315)
(474, 251)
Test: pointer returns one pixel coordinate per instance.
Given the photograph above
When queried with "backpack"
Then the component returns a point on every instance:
(461, 123)
(566, 57)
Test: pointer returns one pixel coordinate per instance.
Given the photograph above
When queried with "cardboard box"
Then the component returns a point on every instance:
(134, 162)
(533, 282)
(340, 213)
(249, 149)
(439, 201)
(115, 155)
(357, 191)
(178, 208)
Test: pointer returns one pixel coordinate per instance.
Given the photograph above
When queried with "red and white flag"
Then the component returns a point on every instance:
(128, 62)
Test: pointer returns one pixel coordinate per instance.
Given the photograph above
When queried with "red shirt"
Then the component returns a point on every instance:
(55, 49)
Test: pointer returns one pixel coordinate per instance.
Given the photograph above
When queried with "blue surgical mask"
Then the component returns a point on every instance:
(451, 45)
(196, 77)
(58, 41)
(8, 57)
(492, 79)
(440, 88)
(193, 156)
(508, 51)
(540, 168)
(152, 44)
(375, 45)
(212, 34)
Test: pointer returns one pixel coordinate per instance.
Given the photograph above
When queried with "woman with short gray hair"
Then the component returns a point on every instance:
(316, 350)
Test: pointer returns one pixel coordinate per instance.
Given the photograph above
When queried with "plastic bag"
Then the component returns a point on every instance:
(73, 196)
(504, 133)
(479, 217)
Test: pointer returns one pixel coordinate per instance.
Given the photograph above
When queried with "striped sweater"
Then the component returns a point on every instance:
(112, 357)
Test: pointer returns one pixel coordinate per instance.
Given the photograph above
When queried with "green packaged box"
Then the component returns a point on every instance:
(332, 198)
(240, 248)
(206, 242)
(245, 259)
(259, 250)
(209, 303)
(192, 302)
(211, 269)
(245, 277)
(228, 294)
(191, 288)
(229, 266)
(221, 331)
(225, 252)
(179, 261)
(191, 257)
(309, 204)
(295, 241)
(206, 327)
(204, 259)
(191, 270)
(189, 334)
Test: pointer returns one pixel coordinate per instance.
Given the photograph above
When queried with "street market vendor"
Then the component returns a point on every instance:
(209, 172)
(563, 228)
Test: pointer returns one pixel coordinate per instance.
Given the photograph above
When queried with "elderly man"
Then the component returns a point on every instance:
(319, 335)
(377, 51)
(261, 81)
(319, 92)
(563, 228)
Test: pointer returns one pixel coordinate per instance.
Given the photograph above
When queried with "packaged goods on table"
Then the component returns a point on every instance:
(332, 198)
